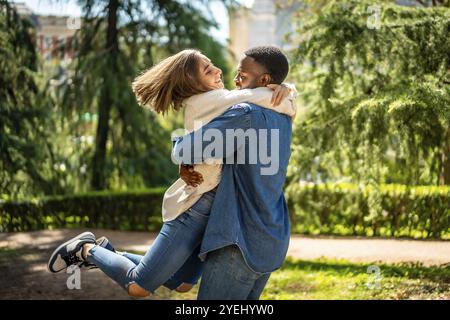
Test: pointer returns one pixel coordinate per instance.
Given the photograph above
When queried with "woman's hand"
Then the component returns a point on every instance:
(280, 91)
(191, 177)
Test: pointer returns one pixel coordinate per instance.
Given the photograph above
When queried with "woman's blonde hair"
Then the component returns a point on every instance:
(168, 83)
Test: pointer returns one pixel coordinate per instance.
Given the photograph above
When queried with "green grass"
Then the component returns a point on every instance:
(9, 253)
(325, 279)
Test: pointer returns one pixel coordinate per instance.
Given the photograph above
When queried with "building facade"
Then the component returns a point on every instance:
(54, 34)
(265, 22)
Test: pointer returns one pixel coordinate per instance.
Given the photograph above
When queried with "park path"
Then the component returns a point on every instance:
(24, 275)
(354, 249)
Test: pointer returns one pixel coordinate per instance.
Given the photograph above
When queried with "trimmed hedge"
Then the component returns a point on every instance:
(344, 209)
(389, 210)
(137, 210)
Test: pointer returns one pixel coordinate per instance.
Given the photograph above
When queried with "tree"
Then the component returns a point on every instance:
(116, 41)
(374, 77)
(24, 148)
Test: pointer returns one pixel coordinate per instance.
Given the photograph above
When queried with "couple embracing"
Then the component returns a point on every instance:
(226, 219)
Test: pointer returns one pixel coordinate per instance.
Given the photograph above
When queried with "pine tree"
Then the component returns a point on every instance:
(118, 39)
(24, 148)
(374, 78)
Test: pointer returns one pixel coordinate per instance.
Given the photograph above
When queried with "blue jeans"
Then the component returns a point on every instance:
(171, 259)
(190, 272)
(226, 276)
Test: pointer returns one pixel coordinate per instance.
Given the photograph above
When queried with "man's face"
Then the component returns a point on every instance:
(251, 74)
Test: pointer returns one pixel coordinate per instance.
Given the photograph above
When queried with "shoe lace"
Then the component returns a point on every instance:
(71, 259)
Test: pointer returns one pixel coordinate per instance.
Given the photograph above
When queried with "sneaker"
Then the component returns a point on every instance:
(105, 243)
(70, 252)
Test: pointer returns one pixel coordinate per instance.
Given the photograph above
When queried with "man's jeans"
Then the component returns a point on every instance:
(171, 259)
(226, 276)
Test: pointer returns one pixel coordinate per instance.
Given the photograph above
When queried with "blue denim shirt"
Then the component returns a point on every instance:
(249, 209)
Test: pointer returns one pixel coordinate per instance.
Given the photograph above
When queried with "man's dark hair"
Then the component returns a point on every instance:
(272, 59)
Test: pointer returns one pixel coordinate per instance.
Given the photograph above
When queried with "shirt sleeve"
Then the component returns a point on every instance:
(219, 139)
(260, 96)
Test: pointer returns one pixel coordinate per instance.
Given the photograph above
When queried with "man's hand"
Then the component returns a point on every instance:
(280, 91)
(191, 177)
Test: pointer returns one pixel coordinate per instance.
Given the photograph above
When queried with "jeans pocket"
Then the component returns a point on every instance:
(203, 206)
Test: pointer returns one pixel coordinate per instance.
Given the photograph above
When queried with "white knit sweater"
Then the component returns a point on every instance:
(200, 110)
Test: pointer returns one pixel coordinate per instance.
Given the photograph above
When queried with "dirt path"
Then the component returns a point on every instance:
(24, 255)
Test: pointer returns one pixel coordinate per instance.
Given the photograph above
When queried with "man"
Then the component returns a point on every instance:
(247, 235)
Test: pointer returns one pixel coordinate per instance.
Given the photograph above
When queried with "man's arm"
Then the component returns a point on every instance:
(210, 141)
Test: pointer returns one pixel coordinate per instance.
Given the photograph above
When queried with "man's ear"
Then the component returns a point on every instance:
(265, 79)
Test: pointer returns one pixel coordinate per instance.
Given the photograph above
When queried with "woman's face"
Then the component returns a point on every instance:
(209, 75)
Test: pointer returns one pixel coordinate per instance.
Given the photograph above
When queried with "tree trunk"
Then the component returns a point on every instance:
(98, 175)
(106, 102)
(445, 172)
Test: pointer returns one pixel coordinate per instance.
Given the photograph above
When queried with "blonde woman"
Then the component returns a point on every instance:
(186, 80)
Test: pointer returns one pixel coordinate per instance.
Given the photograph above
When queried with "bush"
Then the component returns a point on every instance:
(342, 209)
(137, 210)
(388, 210)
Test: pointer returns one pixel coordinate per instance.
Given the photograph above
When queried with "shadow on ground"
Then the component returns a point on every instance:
(24, 274)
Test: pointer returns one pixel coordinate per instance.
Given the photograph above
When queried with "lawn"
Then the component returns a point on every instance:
(339, 279)
(296, 280)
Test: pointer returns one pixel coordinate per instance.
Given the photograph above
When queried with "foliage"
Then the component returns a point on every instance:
(417, 212)
(72, 127)
(117, 41)
(137, 210)
(25, 152)
(376, 94)
(344, 209)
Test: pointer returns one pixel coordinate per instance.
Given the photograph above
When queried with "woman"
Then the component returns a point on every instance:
(187, 79)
